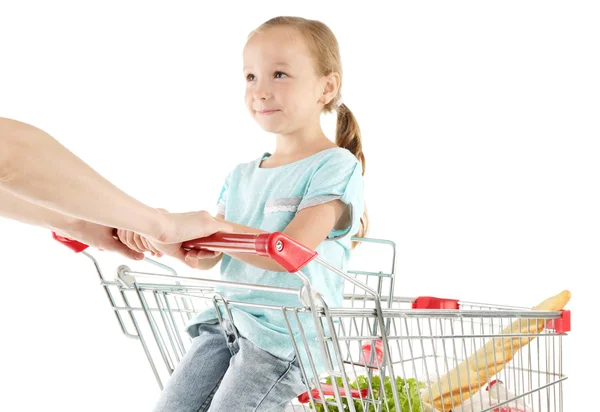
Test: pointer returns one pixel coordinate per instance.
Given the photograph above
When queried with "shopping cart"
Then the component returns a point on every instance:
(382, 352)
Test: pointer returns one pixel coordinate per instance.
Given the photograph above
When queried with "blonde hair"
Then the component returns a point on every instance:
(326, 52)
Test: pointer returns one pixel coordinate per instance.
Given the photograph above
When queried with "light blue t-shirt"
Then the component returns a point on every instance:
(268, 199)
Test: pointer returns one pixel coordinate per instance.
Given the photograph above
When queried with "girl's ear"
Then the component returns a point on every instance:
(331, 86)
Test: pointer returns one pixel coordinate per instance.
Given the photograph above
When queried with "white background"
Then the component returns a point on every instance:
(480, 124)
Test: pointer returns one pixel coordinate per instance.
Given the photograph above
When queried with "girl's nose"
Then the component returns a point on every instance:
(262, 92)
(262, 95)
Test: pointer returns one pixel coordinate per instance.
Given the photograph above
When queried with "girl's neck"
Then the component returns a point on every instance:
(301, 144)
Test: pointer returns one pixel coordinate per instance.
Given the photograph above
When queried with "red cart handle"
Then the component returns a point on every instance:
(328, 391)
(74, 245)
(281, 248)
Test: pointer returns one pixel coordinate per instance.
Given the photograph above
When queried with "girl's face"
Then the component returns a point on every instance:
(283, 92)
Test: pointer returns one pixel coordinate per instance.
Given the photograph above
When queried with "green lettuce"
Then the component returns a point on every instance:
(408, 393)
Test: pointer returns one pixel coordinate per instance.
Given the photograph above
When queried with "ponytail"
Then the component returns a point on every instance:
(347, 135)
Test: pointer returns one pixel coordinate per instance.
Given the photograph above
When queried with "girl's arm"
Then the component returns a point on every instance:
(309, 227)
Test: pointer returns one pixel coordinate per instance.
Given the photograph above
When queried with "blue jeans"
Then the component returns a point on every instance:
(222, 373)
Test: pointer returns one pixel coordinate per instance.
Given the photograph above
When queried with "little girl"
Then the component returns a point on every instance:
(311, 189)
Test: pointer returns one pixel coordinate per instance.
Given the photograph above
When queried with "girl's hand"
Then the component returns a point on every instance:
(169, 249)
(194, 256)
(137, 242)
(191, 258)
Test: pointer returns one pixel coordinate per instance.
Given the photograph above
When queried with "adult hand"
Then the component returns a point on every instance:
(182, 227)
(99, 237)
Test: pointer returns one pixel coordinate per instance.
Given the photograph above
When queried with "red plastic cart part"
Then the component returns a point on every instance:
(428, 302)
(328, 391)
(281, 248)
(365, 356)
(562, 324)
(74, 245)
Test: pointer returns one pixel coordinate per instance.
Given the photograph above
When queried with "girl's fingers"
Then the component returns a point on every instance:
(139, 243)
(147, 246)
(191, 254)
(157, 252)
(131, 242)
(122, 236)
(191, 259)
(207, 254)
(124, 247)
(201, 254)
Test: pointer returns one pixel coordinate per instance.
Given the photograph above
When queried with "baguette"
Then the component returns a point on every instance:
(458, 385)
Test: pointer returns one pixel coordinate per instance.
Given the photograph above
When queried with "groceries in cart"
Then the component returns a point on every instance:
(495, 397)
(461, 388)
(467, 378)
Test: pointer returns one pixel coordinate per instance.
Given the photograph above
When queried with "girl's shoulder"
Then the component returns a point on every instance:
(331, 159)
(338, 154)
(337, 158)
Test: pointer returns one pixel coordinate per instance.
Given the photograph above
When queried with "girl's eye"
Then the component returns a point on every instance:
(277, 75)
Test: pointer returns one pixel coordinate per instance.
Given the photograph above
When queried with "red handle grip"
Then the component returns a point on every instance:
(74, 245)
(365, 356)
(428, 302)
(281, 248)
(328, 391)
